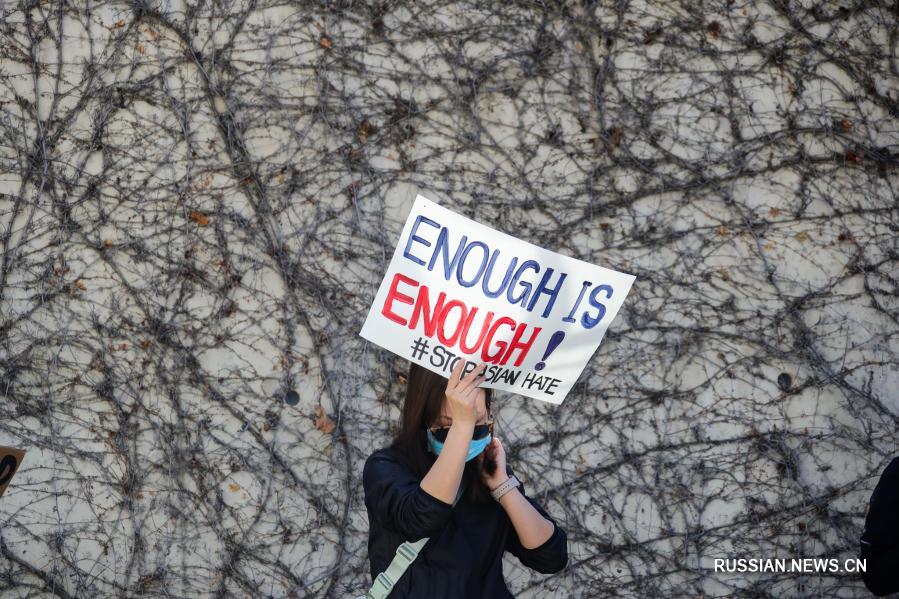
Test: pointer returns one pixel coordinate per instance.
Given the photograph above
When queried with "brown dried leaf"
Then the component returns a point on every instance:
(199, 218)
(364, 129)
(774, 212)
(325, 41)
(234, 487)
(722, 230)
(615, 136)
(846, 124)
(322, 421)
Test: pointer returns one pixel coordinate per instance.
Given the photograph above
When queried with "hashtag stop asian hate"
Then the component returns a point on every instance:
(457, 289)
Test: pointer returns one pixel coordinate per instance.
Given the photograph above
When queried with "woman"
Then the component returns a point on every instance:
(445, 440)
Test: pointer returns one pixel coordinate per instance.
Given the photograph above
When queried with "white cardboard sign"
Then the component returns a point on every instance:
(457, 288)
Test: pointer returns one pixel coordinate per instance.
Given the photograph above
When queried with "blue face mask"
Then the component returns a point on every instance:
(475, 447)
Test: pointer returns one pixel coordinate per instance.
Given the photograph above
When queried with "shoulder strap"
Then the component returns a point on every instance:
(405, 555)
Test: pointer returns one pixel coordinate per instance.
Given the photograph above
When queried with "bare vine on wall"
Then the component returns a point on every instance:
(197, 205)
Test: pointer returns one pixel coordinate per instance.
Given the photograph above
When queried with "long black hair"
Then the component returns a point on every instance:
(422, 405)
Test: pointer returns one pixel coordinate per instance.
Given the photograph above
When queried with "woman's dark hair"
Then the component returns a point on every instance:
(422, 405)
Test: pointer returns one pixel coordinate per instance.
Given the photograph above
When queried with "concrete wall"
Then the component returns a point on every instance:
(197, 206)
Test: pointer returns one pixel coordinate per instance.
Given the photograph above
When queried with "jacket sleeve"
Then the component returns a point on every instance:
(880, 539)
(394, 496)
(552, 555)
(880, 571)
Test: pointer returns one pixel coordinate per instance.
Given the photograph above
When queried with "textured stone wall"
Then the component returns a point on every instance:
(197, 204)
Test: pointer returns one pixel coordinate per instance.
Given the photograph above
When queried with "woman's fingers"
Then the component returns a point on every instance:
(471, 379)
(462, 402)
(497, 448)
(462, 393)
(454, 376)
(468, 378)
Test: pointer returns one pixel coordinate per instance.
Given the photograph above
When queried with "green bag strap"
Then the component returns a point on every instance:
(405, 555)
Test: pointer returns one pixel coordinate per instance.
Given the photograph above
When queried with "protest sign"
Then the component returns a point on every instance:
(10, 458)
(458, 289)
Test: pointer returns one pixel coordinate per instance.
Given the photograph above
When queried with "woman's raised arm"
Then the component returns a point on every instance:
(443, 479)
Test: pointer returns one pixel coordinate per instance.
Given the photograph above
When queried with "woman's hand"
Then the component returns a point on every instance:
(462, 394)
(494, 451)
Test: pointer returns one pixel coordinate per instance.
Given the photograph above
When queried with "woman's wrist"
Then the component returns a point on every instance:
(460, 433)
(464, 425)
(506, 497)
(496, 485)
(457, 439)
(502, 490)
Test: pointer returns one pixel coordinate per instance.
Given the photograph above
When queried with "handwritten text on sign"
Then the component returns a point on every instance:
(458, 289)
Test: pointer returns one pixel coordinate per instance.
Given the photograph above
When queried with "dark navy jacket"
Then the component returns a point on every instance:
(463, 557)
(880, 540)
